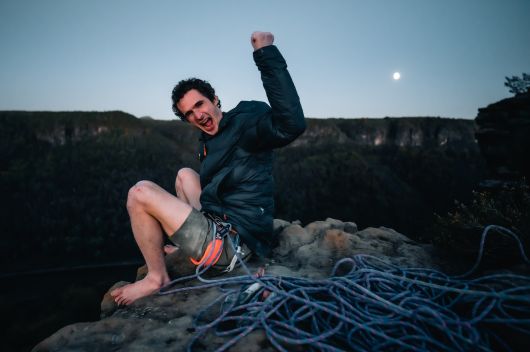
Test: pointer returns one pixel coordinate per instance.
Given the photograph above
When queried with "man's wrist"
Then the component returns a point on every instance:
(261, 47)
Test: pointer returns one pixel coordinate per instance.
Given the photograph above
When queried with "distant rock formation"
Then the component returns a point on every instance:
(397, 132)
(62, 126)
(158, 323)
(503, 139)
(58, 128)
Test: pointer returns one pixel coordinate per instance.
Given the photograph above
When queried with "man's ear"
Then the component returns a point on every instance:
(217, 102)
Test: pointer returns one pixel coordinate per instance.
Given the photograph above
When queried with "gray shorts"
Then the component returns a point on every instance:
(196, 233)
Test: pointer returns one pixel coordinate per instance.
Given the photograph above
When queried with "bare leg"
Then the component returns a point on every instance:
(188, 189)
(152, 211)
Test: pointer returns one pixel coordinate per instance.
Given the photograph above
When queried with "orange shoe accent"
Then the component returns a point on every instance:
(211, 253)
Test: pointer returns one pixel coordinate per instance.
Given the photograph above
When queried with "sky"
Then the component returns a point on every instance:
(100, 55)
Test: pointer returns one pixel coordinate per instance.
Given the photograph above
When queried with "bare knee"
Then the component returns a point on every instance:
(139, 194)
(185, 175)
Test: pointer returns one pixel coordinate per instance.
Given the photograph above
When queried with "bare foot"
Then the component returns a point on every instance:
(168, 249)
(127, 294)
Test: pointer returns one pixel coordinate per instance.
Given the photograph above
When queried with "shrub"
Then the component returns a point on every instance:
(459, 232)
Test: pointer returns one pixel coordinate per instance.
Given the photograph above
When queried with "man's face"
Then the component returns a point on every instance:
(200, 111)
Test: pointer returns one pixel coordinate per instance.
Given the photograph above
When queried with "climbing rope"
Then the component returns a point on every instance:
(371, 305)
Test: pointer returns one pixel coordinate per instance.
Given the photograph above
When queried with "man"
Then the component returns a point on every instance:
(235, 184)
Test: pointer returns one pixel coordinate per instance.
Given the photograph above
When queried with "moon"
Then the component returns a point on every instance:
(396, 76)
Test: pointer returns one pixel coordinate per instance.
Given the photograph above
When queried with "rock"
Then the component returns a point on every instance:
(318, 228)
(278, 225)
(280, 270)
(62, 337)
(414, 256)
(502, 136)
(322, 254)
(350, 227)
(335, 224)
(164, 322)
(291, 238)
(313, 258)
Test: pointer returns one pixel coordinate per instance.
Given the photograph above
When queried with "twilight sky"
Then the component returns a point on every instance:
(127, 55)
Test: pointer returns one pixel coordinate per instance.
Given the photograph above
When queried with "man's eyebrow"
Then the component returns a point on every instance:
(196, 105)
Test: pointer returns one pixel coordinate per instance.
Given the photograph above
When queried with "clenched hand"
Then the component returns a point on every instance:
(261, 39)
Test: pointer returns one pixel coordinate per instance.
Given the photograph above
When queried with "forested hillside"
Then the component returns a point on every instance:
(64, 177)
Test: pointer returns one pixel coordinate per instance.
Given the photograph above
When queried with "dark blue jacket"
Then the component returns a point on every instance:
(236, 171)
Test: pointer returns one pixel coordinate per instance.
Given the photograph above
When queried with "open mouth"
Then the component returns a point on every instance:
(207, 123)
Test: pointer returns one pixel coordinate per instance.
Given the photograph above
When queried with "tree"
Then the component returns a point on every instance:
(518, 85)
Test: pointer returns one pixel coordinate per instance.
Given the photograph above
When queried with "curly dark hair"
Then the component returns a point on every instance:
(185, 86)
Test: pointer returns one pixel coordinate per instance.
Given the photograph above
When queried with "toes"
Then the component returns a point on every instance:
(120, 300)
(117, 291)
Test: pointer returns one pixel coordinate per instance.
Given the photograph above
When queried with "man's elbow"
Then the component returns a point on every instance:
(295, 130)
(292, 126)
(300, 129)
(300, 123)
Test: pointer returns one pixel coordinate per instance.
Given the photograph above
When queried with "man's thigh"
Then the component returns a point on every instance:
(170, 211)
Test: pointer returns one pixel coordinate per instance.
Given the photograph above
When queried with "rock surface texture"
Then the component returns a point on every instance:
(158, 323)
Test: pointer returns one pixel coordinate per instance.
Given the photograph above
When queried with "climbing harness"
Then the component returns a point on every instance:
(220, 231)
(373, 306)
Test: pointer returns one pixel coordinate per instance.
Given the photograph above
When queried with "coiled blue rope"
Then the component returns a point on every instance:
(374, 306)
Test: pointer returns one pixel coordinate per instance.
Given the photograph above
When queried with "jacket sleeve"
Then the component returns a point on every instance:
(286, 121)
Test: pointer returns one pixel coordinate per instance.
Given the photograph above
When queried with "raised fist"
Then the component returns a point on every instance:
(261, 39)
